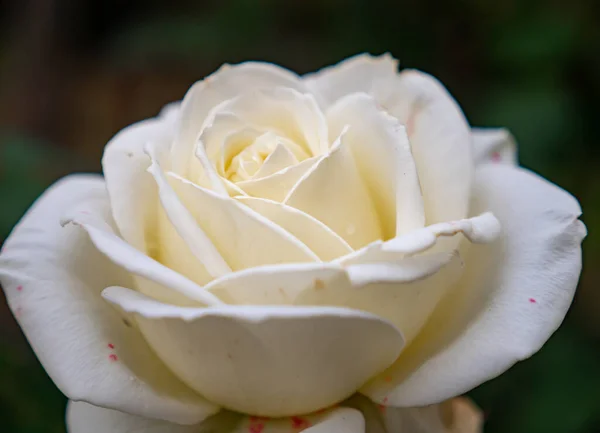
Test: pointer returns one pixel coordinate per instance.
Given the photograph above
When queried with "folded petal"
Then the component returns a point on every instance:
(52, 277)
(227, 83)
(334, 193)
(131, 189)
(271, 361)
(513, 296)
(183, 221)
(404, 292)
(242, 236)
(439, 237)
(381, 150)
(440, 140)
(496, 145)
(361, 73)
(323, 241)
(124, 255)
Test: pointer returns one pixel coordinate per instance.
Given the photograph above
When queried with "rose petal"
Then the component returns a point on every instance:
(334, 193)
(382, 153)
(124, 255)
(481, 229)
(276, 284)
(337, 420)
(323, 241)
(458, 415)
(125, 163)
(52, 277)
(183, 221)
(86, 418)
(286, 112)
(228, 82)
(513, 296)
(244, 237)
(495, 145)
(440, 140)
(279, 159)
(278, 185)
(270, 361)
(404, 292)
(361, 73)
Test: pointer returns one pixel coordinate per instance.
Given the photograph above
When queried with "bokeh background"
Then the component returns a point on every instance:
(74, 72)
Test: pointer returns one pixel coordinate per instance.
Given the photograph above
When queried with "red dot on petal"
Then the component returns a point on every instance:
(113, 357)
(387, 379)
(496, 157)
(299, 423)
(111, 346)
(20, 288)
(532, 300)
(256, 426)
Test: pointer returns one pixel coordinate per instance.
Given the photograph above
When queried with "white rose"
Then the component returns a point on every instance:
(276, 244)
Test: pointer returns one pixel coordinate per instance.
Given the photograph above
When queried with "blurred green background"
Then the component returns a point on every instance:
(75, 72)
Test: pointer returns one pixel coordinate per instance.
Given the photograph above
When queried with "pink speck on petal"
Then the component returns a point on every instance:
(113, 357)
(111, 346)
(496, 157)
(20, 288)
(383, 405)
(532, 300)
(300, 423)
(256, 428)
(256, 425)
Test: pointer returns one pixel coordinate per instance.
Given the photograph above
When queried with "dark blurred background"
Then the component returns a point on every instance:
(74, 72)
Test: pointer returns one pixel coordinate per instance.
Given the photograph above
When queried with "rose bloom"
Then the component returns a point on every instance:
(338, 252)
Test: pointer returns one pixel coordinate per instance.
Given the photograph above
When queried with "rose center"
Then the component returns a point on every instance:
(250, 155)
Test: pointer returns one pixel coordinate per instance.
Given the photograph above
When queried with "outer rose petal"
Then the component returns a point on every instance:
(271, 361)
(362, 73)
(514, 294)
(52, 277)
(124, 163)
(357, 415)
(85, 418)
(438, 132)
(440, 140)
(495, 145)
